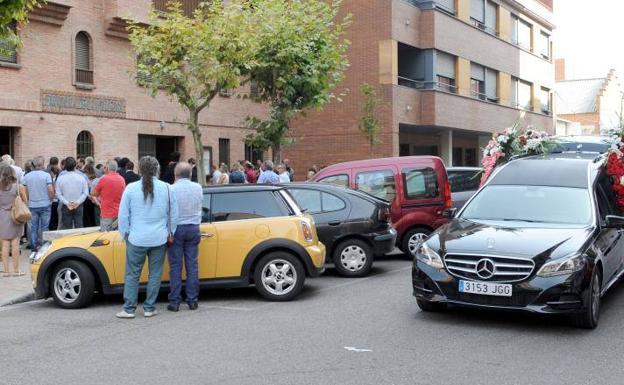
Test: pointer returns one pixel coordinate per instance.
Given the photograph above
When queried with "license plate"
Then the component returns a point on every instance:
(485, 288)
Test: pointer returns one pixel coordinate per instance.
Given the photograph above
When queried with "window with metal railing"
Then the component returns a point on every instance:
(188, 6)
(83, 62)
(84, 144)
(8, 48)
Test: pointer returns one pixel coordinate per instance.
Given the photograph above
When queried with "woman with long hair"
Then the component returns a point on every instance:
(225, 175)
(10, 232)
(148, 215)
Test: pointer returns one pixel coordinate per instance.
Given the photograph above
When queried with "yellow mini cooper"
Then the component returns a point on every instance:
(251, 234)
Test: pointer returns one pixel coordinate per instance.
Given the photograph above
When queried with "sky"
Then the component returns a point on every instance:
(590, 36)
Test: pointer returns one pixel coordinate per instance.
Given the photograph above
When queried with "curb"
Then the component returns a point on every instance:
(18, 299)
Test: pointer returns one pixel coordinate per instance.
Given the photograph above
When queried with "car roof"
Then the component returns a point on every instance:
(556, 170)
(585, 139)
(463, 169)
(230, 188)
(383, 161)
(328, 187)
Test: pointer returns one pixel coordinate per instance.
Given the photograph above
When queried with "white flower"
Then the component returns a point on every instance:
(533, 144)
(503, 138)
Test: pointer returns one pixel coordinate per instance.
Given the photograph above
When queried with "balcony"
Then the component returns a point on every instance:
(84, 76)
(188, 6)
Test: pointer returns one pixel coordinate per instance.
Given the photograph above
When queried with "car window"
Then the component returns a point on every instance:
(332, 203)
(464, 180)
(307, 199)
(338, 180)
(245, 205)
(605, 198)
(377, 183)
(206, 209)
(420, 183)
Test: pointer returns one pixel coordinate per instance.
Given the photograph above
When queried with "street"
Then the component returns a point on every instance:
(339, 331)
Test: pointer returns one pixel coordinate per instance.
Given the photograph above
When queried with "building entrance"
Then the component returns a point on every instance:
(6, 141)
(159, 147)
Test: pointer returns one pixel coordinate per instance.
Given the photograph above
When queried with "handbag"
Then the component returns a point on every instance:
(170, 236)
(20, 214)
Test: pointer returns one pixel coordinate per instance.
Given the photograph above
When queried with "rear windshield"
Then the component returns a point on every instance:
(464, 180)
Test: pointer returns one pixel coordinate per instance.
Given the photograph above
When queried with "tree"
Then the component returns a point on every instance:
(300, 59)
(14, 12)
(193, 59)
(370, 126)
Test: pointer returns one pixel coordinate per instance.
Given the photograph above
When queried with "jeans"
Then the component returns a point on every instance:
(40, 222)
(135, 259)
(185, 246)
(71, 219)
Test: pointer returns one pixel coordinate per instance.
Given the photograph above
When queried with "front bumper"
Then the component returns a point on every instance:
(317, 255)
(554, 295)
(383, 242)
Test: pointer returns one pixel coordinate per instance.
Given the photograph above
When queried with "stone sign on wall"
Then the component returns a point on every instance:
(80, 104)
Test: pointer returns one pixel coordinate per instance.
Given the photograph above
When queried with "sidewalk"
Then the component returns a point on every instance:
(16, 289)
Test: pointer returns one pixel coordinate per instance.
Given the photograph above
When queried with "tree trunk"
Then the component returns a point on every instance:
(277, 153)
(193, 126)
(370, 154)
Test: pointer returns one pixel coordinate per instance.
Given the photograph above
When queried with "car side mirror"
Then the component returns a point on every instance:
(450, 213)
(614, 221)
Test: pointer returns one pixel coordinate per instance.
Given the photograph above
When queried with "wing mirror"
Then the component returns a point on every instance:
(614, 221)
(450, 213)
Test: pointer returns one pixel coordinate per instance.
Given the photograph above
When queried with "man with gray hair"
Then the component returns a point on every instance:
(186, 240)
(108, 194)
(40, 192)
(268, 176)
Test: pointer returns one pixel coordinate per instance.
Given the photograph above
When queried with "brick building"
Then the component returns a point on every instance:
(450, 73)
(591, 106)
(69, 91)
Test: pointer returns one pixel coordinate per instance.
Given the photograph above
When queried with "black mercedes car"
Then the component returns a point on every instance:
(354, 226)
(543, 235)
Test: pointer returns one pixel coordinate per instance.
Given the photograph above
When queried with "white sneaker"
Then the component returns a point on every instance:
(148, 314)
(123, 314)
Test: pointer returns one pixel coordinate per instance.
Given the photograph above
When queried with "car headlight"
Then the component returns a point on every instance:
(426, 255)
(41, 252)
(562, 266)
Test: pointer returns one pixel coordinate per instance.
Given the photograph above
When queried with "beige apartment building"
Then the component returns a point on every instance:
(449, 72)
(69, 91)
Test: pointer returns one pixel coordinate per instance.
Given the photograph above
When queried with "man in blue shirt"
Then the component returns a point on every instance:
(40, 192)
(190, 197)
(268, 176)
(148, 214)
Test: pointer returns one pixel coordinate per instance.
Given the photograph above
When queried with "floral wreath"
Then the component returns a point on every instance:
(615, 167)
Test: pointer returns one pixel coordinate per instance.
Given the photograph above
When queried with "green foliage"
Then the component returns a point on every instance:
(370, 126)
(11, 12)
(300, 59)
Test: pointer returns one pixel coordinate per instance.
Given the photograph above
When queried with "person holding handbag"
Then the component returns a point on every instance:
(148, 215)
(10, 231)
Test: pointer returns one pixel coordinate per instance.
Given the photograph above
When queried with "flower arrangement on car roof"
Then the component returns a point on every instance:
(615, 167)
(514, 141)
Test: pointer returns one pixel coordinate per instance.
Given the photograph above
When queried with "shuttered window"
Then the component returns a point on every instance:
(491, 84)
(446, 65)
(188, 6)
(8, 49)
(84, 144)
(477, 10)
(84, 72)
(491, 18)
(447, 5)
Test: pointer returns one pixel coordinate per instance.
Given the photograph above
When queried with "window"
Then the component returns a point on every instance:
(477, 13)
(188, 6)
(84, 144)
(545, 100)
(253, 154)
(524, 34)
(491, 18)
(464, 180)
(309, 200)
(8, 48)
(224, 151)
(458, 156)
(246, 205)
(521, 94)
(446, 5)
(420, 183)
(445, 71)
(206, 209)
(338, 180)
(84, 71)
(491, 85)
(332, 203)
(544, 45)
(377, 183)
(484, 15)
(477, 81)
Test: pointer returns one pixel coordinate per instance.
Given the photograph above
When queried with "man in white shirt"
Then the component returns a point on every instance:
(71, 190)
(216, 175)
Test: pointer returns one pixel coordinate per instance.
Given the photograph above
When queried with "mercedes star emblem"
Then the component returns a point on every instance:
(485, 268)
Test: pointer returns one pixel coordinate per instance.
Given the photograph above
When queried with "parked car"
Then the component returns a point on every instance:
(583, 143)
(354, 226)
(417, 188)
(543, 235)
(465, 181)
(251, 234)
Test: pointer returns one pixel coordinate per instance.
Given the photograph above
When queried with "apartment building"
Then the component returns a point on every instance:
(449, 73)
(70, 91)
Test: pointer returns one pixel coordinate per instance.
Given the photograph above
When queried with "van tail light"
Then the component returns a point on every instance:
(307, 231)
(448, 199)
(384, 215)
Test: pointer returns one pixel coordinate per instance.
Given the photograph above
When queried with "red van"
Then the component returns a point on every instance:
(417, 188)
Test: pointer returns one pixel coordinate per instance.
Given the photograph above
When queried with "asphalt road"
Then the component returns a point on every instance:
(339, 331)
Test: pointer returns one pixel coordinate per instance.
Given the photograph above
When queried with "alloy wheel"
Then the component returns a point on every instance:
(414, 242)
(353, 258)
(67, 285)
(279, 277)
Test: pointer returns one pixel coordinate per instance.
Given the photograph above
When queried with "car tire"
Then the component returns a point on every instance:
(72, 284)
(276, 269)
(353, 258)
(428, 306)
(411, 239)
(588, 319)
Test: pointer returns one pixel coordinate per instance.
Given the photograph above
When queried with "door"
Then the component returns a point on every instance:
(610, 241)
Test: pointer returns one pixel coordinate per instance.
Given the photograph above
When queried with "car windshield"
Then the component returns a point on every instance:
(583, 147)
(531, 204)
